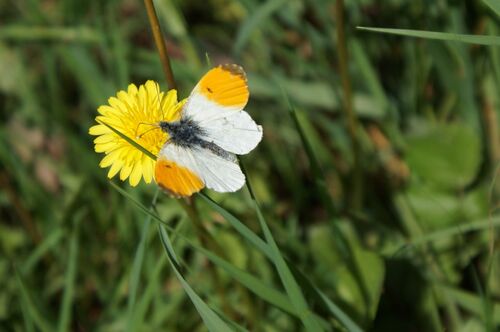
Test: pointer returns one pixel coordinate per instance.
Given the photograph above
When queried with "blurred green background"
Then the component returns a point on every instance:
(391, 212)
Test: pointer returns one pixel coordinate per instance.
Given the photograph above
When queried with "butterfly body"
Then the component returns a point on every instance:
(213, 128)
(184, 132)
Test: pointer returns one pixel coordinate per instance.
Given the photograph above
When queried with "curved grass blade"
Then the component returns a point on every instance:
(212, 321)
(137, 266)
(69, 289)
(349, 324)
(292, 288)
(239, 226)
(494, 5)
(48, 243)
(255, 285)
(451, 232)
(445, 36)
(265, 249)
(27, 303)
(130, 141)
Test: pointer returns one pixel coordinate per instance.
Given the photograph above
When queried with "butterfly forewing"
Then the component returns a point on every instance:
(217, 103)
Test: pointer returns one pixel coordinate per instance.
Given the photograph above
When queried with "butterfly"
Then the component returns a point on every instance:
(212, 129)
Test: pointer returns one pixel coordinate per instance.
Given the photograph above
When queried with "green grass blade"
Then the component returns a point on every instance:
(473, 303)
(137, 266)
(313, 161)
(27, 303)
(292, 288)
(95, 85)
(138, 204)
(267, 293)
(130, 141)
(239, 226)
(48, 243)
(453, 231)
(266, 250)
(258, 16)
(349, 324)
(494, 5)
(28, 323)
(69, 288)
(262, 290)
(235, 326)
(213, 322)
(462, 38)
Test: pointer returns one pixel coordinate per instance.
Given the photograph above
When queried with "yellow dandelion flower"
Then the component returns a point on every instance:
(132, 113)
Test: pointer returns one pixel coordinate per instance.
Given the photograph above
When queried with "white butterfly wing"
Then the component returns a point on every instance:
(216, 104)
(221, 174)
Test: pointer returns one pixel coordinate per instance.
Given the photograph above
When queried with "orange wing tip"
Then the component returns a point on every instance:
(176, 180)
(225, 85)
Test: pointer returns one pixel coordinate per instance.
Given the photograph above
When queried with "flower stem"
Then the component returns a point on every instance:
(160, 43)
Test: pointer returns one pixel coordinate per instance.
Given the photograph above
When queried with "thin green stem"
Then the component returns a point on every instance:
(351, 119)
(160, 43)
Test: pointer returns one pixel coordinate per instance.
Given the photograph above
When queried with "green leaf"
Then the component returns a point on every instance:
(494, 5)
(210, 318)
(446, 156)
(340, 276)
(471, 39)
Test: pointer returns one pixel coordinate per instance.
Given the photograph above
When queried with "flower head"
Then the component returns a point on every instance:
(135, 113)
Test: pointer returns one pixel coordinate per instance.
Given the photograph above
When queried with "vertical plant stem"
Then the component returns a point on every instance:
(160, 43)
(350, 118)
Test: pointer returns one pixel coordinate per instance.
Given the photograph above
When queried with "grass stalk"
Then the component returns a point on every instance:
(355, 195)
(160, 43)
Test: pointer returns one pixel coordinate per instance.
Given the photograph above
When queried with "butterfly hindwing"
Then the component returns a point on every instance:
(220, 173)
(175, 178)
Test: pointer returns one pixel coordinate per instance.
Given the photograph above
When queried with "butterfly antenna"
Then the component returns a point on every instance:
(159, 104)
(155, 126)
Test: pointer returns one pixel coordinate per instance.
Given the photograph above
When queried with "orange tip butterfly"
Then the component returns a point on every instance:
(212, 129)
